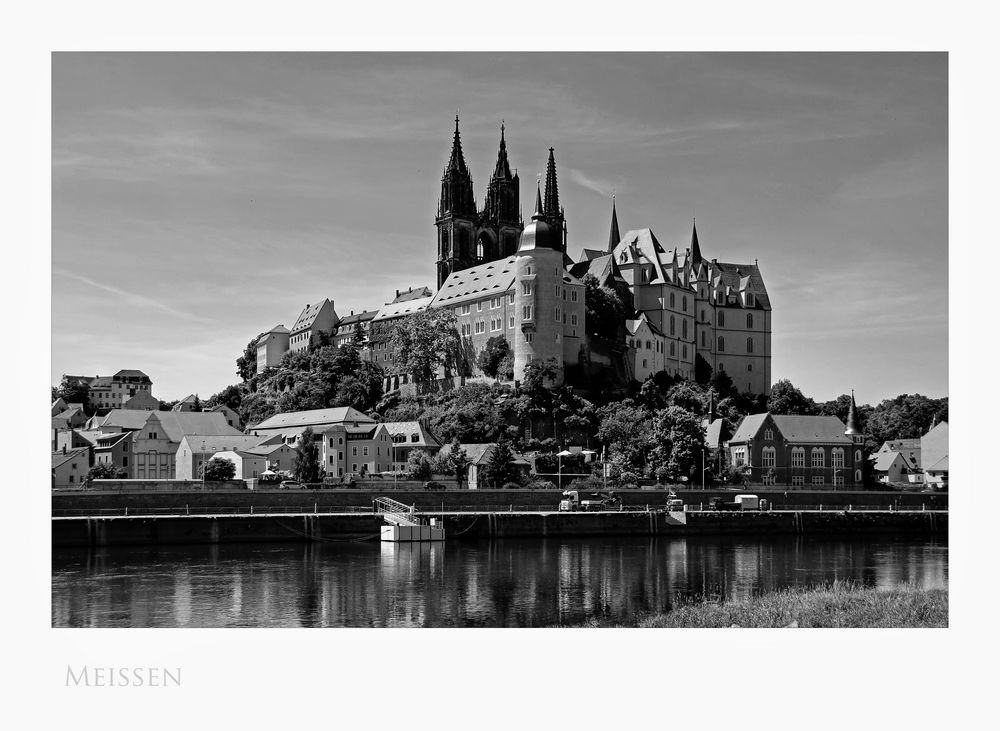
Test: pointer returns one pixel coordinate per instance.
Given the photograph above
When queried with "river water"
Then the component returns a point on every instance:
(498, 583)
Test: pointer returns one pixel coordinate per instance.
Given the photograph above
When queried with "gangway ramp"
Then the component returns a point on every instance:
(405, 524)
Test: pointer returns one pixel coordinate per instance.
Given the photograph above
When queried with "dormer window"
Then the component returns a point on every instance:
(749, 297)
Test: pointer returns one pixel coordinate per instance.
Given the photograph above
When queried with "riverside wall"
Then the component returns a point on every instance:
(94, 501)
(158, 530)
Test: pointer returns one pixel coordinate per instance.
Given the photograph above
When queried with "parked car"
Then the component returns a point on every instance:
(290, 485)
(432, 485)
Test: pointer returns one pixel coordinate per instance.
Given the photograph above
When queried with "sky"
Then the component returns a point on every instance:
(200, 199)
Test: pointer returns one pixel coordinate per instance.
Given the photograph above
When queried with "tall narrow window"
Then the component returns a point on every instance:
(684, 303)
(749, 345)
(749, 321)
(673, 327)
(722, 344)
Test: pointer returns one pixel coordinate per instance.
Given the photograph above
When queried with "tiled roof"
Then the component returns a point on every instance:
(308, 316)
(713, 433)
(883, 461)
(58, 458)
(359, 317)
(131, 373)
(398, 309)
(221, 442)
(413, 294)
(408, 429)
(795, 429)
(314, 417)
(176, 424)
(644, 242)
(492, 278)
(940, 466)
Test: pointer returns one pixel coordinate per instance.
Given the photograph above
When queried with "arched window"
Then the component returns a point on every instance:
(798, 457)
(749, 321)
(684, 329)
(672, 300)
(479, 249)
(837, 457)
(414, 437)
(673, 324)
(749, 367)
(722, 318)
(767, 457)
(818, 457)
(684, 303)
(722, 344)
(857, 456)
(684, 352)
(749, 345)
(857, 475)
(673, 348)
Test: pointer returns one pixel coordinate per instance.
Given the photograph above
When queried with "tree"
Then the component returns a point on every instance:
(787, 399)
(702, 370)
(196, 404)
(424, 341)
(499, 467)
(680, 441)
(419, 465)
(459, 460)
(626, 430)
(605, 313)
(231, 396)
(73, 391)
(246, 364)
(217, 469)
(492, 356)
(106, 471)
(307, 467)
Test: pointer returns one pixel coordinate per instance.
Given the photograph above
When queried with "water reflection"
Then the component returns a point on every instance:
(510, 583)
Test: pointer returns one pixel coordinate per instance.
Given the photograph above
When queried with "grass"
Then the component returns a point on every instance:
(838, 604)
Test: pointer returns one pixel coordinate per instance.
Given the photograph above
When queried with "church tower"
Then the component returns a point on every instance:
(500, 223)
(456, 215)
(553, 213)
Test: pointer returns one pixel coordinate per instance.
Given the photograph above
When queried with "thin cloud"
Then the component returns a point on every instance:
(132, 298)
(601, 187)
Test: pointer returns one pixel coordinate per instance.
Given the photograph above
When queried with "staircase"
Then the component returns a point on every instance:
(404, 524)
(396, 512)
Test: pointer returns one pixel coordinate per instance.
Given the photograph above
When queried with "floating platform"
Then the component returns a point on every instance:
(410, 533)
(404, 525)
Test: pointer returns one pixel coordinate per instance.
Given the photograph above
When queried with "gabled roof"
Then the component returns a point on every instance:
(645, 242)
(883, 461)
(714, 433)
(308, 316)
(492, 278)
(795, 428)
(314, 417)
(408, 429)
(603, 267)
(131, 374)
(940, 466)
(176, 424)
(264, 449)
(477, 453)
(277, 329)
(58, 458)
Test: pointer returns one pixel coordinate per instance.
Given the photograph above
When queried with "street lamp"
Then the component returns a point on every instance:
(563, 453)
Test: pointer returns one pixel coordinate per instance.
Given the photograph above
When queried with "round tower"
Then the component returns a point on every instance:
(538, 271)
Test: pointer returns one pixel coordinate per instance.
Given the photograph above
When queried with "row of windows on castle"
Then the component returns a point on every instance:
(718, 299)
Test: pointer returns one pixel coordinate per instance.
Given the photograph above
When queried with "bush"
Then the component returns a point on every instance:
(541, 485)
(105, 471)
(218, 469)
(586, 484)
(511, 486)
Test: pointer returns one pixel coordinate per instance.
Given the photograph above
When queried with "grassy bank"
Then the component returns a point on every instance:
(835, 605)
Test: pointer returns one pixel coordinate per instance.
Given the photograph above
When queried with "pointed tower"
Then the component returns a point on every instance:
(456, 214)
(500, 222)
(695, 248)
(615, 237)
(554, 214)
(857, 457)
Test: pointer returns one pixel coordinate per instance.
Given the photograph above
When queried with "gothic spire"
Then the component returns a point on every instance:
(457, 160)
(538, 204)
(502, 169)
(615, 237)
(852, 418)
(695, 249)
(551, 187)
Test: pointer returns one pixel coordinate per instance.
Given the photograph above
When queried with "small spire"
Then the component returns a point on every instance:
(695, 248)
(852, 418)
(615, 237)
(551, 186)
(538, 203)
(711, 405)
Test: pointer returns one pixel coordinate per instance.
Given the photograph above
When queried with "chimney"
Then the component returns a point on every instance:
(397, 293)
(64, 449)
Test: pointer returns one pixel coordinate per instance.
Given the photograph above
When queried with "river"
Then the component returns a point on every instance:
(499, 583)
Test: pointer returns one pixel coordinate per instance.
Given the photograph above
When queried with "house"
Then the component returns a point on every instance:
(70, 468)
(408, 436)
(647, 346)
(315, 319)
(354, 327)
(191, 402)
(232, 418)
(292, 423)
(934, 455)
(479, 456)
(891, 467)
(795, 450)
(74, 439)
(142, 401)
(272, 346)
(378, 348)
(193, 451)
(355, 448)
(249, 466)
(278, 456)
(910, 448)
(115, 449)
(154, 437)
(111, 392)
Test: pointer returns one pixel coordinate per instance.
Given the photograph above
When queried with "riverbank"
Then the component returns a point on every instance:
(835, 605)
(317, 527)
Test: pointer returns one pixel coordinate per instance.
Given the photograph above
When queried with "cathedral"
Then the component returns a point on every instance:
(503, 277)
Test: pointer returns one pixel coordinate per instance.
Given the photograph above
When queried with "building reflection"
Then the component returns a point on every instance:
(519, 583)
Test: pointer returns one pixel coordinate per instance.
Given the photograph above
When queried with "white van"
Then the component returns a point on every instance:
(748, 502)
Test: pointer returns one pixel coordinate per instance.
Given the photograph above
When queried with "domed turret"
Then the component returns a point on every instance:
(538, 234)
